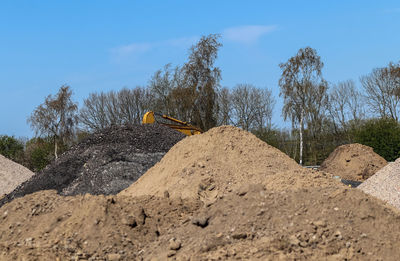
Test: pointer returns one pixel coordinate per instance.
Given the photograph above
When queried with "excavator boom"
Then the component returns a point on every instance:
(182, 126)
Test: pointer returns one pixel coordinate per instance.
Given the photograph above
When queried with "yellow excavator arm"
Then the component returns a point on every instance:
(182, 126)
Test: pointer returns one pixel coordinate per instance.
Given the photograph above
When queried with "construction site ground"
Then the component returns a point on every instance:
(221, 195)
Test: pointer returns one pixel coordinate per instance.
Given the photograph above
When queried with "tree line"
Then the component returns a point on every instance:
(323, 115)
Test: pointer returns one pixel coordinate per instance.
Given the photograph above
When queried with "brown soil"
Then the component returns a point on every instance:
(11, 175)
(260, 213)
(353, 162)
(209, 165)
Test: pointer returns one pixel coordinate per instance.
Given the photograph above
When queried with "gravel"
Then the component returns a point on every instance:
(385, 184)
(11, 175)
(106, 162)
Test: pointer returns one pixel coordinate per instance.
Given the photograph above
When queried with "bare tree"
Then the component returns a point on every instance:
(160, 85)
(93, 114)
(56, 117)
(300, 83)
(202, 78)
(345, 105)
(101, 110)
(252, 107)
(382, 91)
(264, 110)
(225, 106)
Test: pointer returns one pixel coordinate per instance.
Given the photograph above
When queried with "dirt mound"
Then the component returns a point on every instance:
(353, 162)
(385, 184)
(106, 162)
(47, 226)
(11, 175)
(252, 223)
(209, 165)
(307, 224)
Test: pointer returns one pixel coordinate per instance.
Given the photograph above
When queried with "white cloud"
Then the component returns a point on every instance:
(247, 34)
(131, 49)
(181, 42)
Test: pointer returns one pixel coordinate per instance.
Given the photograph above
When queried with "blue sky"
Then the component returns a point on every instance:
(106, 45)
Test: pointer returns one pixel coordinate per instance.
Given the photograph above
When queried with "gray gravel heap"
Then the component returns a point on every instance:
(106, 162)
(11, 175)
(385, 184)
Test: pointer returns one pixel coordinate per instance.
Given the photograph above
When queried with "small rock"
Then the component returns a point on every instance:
(338, 235)
(219, 235)
(261, 212)
(239, 236)
(320, 223)
(171, 253)
(303, 244)
(336, 208)
(201, 221)
(113, 257)
(174, 244)
(166, 194)
(293, 240)
(201, 164)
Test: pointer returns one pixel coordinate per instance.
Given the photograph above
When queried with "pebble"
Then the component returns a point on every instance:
(174, 244)
(113, 257)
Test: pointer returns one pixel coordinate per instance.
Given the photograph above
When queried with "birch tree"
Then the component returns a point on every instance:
(300, 81)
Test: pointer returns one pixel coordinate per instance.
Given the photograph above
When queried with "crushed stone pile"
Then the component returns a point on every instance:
(106, 162)
(385, 184)
(355, 162)
(221, 160)
(12, 174)
(288, 214)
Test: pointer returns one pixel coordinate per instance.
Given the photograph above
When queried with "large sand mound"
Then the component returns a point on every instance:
(221, 160)
(106, 162)
(11, 175)
(385, 184)
(353, 162)
(327, 223)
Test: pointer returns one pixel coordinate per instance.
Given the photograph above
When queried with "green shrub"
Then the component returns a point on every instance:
(10, 147)
(38, 153)
(383, 135)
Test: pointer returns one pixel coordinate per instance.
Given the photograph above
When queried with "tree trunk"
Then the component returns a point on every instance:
(55, 148)
(301, 137)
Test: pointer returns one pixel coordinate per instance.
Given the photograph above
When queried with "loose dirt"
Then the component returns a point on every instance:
(11, 175)
(353, 162)
(106, 162)
(223, 159)
(385, 184)
(260, 213)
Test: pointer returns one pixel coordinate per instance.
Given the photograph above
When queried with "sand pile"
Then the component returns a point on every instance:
(306, 224)
(353, 162)
(254, 223)
(47, 226)
(106, 162)
(385, 184)
(223, 159)
(289, 214)
(11, 175)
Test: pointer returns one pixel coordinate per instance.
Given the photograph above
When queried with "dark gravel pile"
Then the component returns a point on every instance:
(106, 162)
